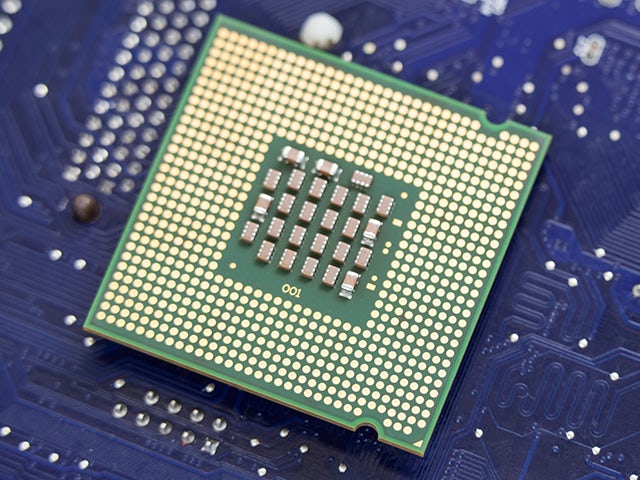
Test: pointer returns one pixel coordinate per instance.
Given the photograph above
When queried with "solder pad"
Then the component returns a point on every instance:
(183, 287)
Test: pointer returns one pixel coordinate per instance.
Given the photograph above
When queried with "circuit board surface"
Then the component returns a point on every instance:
(386, 354)
(548, 386)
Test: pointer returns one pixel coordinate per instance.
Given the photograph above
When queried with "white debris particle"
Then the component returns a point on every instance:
(24, 201)
(477, 77)
(497, 62)
(79, 264)
(400, 44)
(589, 49)
(369, 48)
(614, 135)
(559, 43)
(321, 30)
(40, 90)
(118, 383)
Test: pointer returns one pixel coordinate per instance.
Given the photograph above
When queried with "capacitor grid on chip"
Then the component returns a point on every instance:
(170, 288)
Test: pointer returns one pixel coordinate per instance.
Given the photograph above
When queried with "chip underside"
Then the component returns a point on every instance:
(318, 233)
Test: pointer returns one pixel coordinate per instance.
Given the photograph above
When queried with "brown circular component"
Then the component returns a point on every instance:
(85, 208)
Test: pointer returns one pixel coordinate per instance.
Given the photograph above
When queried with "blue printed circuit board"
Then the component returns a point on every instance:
(550, 385)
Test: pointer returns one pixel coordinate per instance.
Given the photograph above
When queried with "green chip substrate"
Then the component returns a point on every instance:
(318, 233)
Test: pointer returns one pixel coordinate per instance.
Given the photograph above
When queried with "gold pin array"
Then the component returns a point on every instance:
(166, 286)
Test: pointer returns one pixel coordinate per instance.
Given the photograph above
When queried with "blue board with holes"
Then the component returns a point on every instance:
(550, 386)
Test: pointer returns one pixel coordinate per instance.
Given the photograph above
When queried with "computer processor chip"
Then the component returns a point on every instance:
(318, 233)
